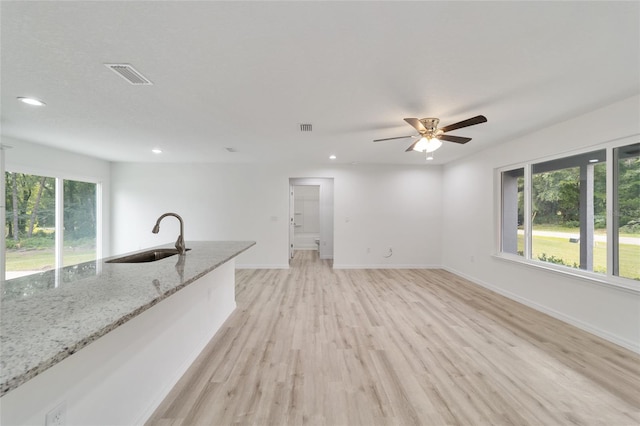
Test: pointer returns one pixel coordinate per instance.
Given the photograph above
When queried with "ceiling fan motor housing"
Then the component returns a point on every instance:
(431, 124)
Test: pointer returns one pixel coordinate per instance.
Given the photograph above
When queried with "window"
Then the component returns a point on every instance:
(35, 211)
(626, 214)
(30, 223)
(79, 222)
(568, 200)
(565, 221)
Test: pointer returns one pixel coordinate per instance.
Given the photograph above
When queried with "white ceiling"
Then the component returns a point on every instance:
(246, 74)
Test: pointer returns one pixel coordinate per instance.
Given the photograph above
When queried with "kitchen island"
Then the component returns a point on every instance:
(112, 334)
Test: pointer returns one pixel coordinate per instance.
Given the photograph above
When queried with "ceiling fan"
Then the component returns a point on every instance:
(430, 137)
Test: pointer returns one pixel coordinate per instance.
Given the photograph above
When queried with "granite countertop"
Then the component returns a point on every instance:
(42, 323)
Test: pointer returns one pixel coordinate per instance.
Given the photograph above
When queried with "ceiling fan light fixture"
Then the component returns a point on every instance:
(421, 146)
(427, 145)
(434, 144)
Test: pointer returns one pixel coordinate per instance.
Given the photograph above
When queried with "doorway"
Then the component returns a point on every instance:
(311, 216)
(306, 217)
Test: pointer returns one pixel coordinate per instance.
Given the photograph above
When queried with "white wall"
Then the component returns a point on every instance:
(28, 157)
(378, 208)
(375, 207)
(470, 228)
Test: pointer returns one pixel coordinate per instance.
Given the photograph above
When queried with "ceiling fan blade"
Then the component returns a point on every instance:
(456, 139)
(390, 139)
(412, 146)
(465, 123)
(416, 124)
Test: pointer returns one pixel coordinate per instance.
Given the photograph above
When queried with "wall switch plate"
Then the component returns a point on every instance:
(57, 416)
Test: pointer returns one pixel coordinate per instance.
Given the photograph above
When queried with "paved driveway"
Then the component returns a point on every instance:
(597, 238)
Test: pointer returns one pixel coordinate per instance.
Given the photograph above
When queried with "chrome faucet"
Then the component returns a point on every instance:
(180, 241)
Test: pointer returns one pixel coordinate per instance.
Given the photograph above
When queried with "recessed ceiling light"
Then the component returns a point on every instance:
(332, 157)
(593, 160)
(31, 101)
(156, 151)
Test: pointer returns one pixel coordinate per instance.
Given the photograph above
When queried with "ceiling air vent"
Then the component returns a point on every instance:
(305, 127)
(130, 74)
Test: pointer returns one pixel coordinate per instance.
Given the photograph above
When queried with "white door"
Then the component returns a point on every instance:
(292, 222)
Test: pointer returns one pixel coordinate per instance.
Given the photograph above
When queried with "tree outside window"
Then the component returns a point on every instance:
(30, 226)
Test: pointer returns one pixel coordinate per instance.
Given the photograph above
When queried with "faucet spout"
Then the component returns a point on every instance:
(180, 246)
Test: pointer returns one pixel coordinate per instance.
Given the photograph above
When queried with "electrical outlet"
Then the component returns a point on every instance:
(57, 416)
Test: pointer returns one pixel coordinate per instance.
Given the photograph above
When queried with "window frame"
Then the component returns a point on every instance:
(608, 279)
(503, 193)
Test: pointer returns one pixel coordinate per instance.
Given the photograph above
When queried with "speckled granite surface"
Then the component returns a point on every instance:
(42, 323)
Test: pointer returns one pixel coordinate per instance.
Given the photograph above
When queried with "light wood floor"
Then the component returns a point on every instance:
(311, 345)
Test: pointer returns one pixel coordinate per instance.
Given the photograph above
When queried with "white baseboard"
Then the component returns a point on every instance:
(386, 266)
(627, 344)
(338, 266)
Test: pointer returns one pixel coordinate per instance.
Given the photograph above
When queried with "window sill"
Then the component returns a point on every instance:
(618, 283)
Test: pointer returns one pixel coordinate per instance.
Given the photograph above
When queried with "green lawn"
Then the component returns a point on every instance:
(44, 259)
(570, 254)
(560, 228)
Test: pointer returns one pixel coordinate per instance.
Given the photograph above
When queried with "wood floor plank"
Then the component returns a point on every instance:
(317, 346)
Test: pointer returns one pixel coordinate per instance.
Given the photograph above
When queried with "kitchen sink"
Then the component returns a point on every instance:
(145, 256)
